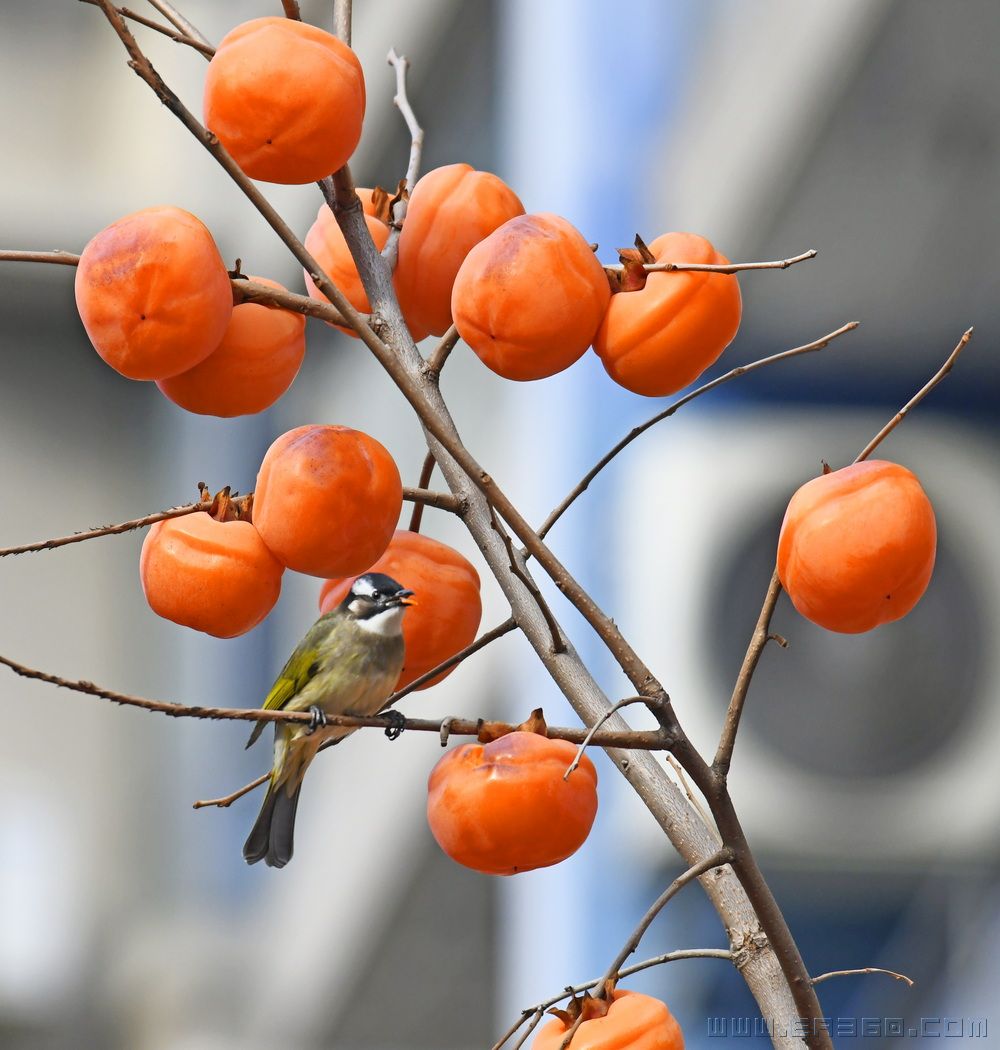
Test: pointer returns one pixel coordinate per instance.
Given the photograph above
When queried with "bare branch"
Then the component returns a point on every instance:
(401, 64)
(778, 264)
(179, 37)
(342, 20)
(759, 639)
(176, 19)
(734, 373)
(656, 960)
(916, 399)
(761, 635)
(425, 477)
(867, 969)
(291, 9)
(228, 800)
(722, 856)
(639, 739)
(442, 352)
(421, 497)
(588, 739)
(63, 258)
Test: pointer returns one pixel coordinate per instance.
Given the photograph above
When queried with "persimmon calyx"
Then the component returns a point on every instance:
(631, 275)
(534, 723)
(226, 505)
(586, 1005)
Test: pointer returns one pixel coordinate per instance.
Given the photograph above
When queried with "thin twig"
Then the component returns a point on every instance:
(867, 969)
(536, 1019)
(696, 803)
(716, 860)
(778, 264)
(425, 478)
(614, 709)
(420, 497)
(916, 399)
(172, 15)
(758, 641)
(291, 9)
(64, 258)
(639, 739)
(441, 353)
(179, 37)
(762, 632)
(558, 644)
(228, 800)
(108, 530)
(735, 373)
(576, 989)
(401, 64)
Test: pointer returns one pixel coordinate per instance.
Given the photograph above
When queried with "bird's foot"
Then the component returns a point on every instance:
(397, 723)
(317, 719)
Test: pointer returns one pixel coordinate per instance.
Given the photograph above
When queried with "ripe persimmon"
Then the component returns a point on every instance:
(657, 339)
(153, 293)
(215, 576)
(530, 297)
(286, 99)
(259, 356)
(504, 807)
(857, 546)
(448, 610)
(450, 211)
(632, 1021)
(327, 500)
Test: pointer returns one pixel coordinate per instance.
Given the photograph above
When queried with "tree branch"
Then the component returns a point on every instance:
(670, 267)
(734, 373)
(291, 9)
(61, 257)
(178, 37)
(228, 800)
(867, 969)
(441, 353)
(175, 18)
(401, 100)
(425, 478)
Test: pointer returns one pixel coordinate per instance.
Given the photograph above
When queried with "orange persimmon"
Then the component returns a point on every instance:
(857, 546)
(530, 297)
(327, 500)
(633, 1021)
(657, 339)
(448, 610)
(153, 293)
(286, 99)
(450, 211)
(217, 577)
(259, 356)
(504, 807)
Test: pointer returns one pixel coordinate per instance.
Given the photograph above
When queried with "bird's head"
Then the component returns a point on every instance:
(377, 602)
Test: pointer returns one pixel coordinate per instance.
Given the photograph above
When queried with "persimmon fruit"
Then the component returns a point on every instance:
(215, 576)
(530, 297)
(448, 610)
(504, 807)
(657, 339)
(327, 500)
(450, 211)
(259, 356)
(153, 293)
(857, 546)
(633, 1022)
(286, 99)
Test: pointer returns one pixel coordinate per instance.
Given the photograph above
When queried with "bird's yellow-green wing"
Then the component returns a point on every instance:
(296, 673)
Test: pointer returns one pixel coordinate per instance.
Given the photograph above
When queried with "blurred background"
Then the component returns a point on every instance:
(865, 771)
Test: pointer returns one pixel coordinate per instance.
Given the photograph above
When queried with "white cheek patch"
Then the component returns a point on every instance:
(387, 623)
(358, 608)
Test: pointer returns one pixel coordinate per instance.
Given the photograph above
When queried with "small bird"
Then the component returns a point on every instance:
(347, 664)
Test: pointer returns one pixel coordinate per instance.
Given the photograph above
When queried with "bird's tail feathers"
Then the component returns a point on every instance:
(272, 838)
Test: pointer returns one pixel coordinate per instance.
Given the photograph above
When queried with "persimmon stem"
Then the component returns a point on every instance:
(291, 9)
(735, 373)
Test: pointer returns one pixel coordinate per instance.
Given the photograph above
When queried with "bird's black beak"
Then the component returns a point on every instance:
(405, 598)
